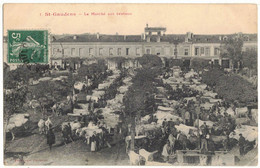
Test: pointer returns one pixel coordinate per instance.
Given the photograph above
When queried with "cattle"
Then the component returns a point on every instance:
(249, 132)
(135, 159)
(241, 112)
(74, 125)
(185, 129)
(147, 155)
(16, 121)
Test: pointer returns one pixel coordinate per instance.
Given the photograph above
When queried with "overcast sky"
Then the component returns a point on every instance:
(178, 19)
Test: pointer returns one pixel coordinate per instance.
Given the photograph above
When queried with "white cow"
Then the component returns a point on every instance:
(185, 129)
(135, 159)
(74, 125)
(230, 111)
(241, 111)
(249, 132)
(147, 155)
(15, 121)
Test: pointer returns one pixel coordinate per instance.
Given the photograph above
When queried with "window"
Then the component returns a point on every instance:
(110, 51)
(186, 51)
(148, 51)
(127, 51)
(91, 52)
(81, 52)
(216, 51)
(119, 51)
(100, 51)
(196, 51)
(137, 51)
(202, 50)
(207, 52)
(73, 51)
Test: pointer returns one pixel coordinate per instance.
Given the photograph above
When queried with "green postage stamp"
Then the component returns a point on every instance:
(27, 46)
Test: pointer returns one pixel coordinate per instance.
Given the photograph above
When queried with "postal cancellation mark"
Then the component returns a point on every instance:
(27, 46)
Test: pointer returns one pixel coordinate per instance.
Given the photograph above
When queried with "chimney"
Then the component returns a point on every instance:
(124, 37)
(98, 35)
(146, 24)
(53, 38)
(142, 36)
(189, 35)
(220, 38)
(75, 37)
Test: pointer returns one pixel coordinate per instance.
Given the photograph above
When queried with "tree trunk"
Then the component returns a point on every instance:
(132, 145)
(5, 127)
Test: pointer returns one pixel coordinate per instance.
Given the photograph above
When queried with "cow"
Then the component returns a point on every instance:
(135, 159)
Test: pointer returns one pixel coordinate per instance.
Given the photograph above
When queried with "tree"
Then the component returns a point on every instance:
(13, 103)
(231, 87)
(92, 69)
(232, 49)
(199, 64)
(249, 59)
(212, 77)
(149, 61)
(138, 100)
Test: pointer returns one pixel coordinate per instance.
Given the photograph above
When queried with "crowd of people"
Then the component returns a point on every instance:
(193, 114)
(208, 127)
(201, 120)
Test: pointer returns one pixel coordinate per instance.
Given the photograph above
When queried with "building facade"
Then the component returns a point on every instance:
(152, 41)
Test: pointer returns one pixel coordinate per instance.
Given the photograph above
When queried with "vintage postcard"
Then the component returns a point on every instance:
(130, 84)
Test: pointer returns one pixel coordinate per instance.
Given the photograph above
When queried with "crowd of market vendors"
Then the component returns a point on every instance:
(191, 116)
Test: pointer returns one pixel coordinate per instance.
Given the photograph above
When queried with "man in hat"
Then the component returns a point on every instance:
(241, 142)
(164, 126)
(50, 138)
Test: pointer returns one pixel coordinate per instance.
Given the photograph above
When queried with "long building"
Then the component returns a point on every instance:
(152, 41)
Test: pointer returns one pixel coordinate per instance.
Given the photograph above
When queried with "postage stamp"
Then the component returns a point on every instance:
(27, 46)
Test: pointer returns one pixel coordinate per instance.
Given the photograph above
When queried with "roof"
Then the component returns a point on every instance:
(171, 38)
(155, 29)
(102, 38)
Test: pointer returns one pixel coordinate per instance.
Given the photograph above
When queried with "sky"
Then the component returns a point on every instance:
(177, 18)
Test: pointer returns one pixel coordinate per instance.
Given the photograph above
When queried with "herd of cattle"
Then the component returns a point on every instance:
(166, 112)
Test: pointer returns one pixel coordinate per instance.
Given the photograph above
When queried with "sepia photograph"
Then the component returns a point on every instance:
(130, 84)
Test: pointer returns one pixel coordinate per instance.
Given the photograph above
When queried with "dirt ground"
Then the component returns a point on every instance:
(32, 146)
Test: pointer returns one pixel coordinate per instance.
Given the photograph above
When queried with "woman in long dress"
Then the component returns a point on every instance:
(166, 151)
(93, 140)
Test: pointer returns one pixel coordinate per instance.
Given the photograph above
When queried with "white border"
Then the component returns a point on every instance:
(105, 1)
